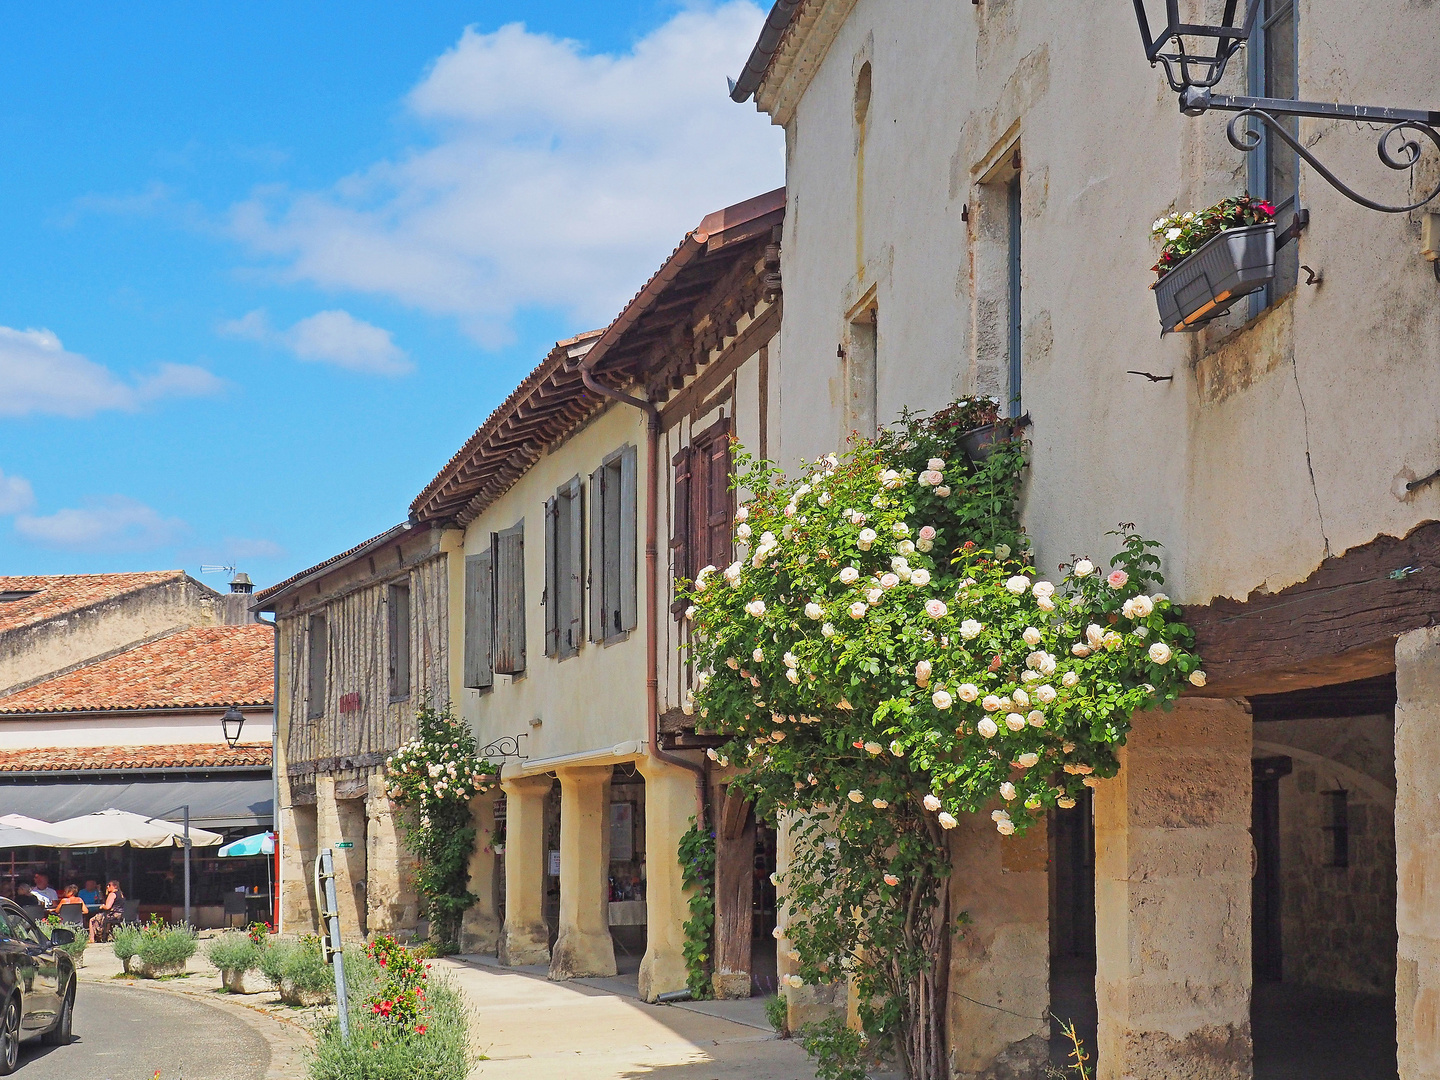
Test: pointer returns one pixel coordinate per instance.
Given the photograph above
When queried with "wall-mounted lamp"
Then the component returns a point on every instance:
(232, 723)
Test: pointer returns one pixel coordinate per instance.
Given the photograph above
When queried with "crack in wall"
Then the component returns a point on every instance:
(1309, 465)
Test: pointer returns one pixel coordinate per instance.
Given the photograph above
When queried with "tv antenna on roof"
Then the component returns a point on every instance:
(208, 568)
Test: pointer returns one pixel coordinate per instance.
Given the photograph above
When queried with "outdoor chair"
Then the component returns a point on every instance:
(71, 915)
(130, 911)
(236, 909)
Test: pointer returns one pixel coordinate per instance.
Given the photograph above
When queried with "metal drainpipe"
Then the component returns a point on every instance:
(275, 767)
(652, 502)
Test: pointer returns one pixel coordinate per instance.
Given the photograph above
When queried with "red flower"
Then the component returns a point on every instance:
(419, 1029)
(1267, 208)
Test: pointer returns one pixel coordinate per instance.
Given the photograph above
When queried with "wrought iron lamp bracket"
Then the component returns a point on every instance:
(507, 746)
(1402, 156)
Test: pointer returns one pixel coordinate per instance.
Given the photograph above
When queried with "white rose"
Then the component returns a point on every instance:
(946, 820)
(1045, 694)
(943, 491)
(825, 499)
(742, 532)
(732, 573)
(931, 803)
(755, 608)
(1160, 653)
(1082, 568)
(1014, 721)
(879, 804)
(1112, 640)
(1031, 636)
(923, 671)
(814, 611)
(1070, 678)
(874, 596)
(690, 613)
(1026, 761)
(935, 464)
(936, 609)
(1042, 588)
(970, 629)
(889, 581)
(866, 538)
(1045, 603)
(1018, 585)
(855, 516)
(929, 478)
(968, 691)
(828, 630)
(941, 699)
(793, 676)
(991, 703)
(1080, 649)
(1091, 781)
(1197, 678)
(987, 728)
(1007, 791)
(856, 795)
(1035, 718)
(905, 547)
(920, 577)
(849, 575)
(1020, 697)
(742, 514)
(858, 609)
(1143, 606)
(1002, 551)
(900, 529)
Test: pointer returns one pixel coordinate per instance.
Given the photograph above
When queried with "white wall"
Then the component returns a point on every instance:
(139, 729)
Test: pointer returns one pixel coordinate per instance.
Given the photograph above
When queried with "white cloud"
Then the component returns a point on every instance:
(15, 494)
(329, 337)
(112, 523)
(555, 176)
(38, 375)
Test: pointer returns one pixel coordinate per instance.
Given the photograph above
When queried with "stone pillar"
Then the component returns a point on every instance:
(335, 823)
(812, 1002)
(526, 937)
(393, 905)
(480, 926)
(298, 847)
(669, 808)
(1173, 860)
(1417, 853)
(1000, 958)
(584, 947)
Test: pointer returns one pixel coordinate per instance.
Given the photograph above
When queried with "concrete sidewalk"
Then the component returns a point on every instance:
(533, 1029)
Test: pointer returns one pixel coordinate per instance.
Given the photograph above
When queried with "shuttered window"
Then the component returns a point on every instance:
(613, 607)
(479, 620)
(564, 598)
(397, 616)
(317, 642)
(704, 505)
(509, 555)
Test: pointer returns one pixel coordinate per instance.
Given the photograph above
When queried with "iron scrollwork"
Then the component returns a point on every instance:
(507, 746)
(1402, 157)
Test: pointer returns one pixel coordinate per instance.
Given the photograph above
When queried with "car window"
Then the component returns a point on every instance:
(22, 929)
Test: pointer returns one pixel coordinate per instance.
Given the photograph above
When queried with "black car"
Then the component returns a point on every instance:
(37, 984)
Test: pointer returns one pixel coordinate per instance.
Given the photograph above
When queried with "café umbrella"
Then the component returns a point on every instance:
(259, 844)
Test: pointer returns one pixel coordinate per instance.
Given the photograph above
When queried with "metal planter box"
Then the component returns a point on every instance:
(1206, 282)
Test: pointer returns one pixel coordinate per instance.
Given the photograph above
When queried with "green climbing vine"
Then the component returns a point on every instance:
(697, 866)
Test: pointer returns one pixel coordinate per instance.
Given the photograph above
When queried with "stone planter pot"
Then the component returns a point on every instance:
(244, 982)
(1204, 284)
(291, 995)
(142, 970)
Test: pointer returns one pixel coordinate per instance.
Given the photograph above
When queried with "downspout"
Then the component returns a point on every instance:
(652, 504)
(275, 768)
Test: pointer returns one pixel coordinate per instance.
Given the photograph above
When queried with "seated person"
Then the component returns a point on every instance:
(91, 893)
(110, 913)
(42, 889)
(26, 898)
(69, 899)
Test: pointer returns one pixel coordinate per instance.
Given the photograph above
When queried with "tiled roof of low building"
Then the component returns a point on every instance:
(131, 758)
(32, 598)
(203, 666)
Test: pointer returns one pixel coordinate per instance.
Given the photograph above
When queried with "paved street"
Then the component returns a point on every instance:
(533, 1029)
(126, 1033)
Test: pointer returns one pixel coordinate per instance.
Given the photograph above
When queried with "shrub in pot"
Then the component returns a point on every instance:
(163, 950)
(298, 972)
(1211, 258)
(75, 948)
(238, 957)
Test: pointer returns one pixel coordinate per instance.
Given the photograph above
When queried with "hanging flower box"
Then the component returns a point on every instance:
(1211, 259)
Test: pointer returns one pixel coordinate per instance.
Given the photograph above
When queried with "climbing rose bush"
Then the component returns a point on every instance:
(883, 659)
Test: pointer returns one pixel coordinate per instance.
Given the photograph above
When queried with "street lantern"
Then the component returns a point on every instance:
(231, 723)
(1194, 55)
(1202, 62)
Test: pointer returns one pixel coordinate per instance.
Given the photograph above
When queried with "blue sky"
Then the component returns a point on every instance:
(266, 266)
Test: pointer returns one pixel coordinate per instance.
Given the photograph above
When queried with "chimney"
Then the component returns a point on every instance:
(241, 583)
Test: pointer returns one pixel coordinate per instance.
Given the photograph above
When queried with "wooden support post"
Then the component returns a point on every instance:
(734, 898)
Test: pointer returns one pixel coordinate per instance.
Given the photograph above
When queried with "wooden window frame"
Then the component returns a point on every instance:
(508, 547)
(564, 595)
(704, 504)
(478, 658)
(614, 608)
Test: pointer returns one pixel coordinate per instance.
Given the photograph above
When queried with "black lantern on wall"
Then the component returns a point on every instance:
(1201, 61)
(1195, 54)
(232, 723)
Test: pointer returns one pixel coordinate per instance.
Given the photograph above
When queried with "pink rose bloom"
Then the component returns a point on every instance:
(927, 532)
(936, 609)
(1117, 579)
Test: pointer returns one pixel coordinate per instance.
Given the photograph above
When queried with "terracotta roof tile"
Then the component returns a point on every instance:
(203, 666)
(56, 595)
(125, 758)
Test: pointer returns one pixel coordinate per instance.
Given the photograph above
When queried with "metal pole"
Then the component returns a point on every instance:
(330, 933)
(186, 808)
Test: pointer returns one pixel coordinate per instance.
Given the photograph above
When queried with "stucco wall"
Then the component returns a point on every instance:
(1217, 464)
(597, 698)
(135, 729)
